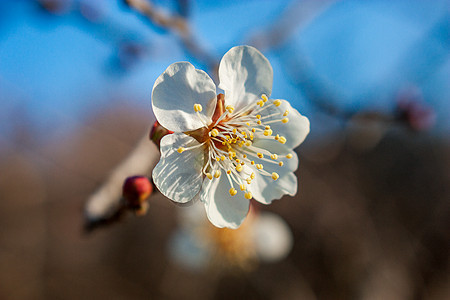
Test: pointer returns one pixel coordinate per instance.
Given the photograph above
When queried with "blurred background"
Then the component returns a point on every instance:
(371, 219)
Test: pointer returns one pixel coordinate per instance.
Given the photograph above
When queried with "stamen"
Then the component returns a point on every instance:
(181, 149)
(264, 97)
(198, 107)
(217, 174)
(285, 120)
(282, 139)
(274, 156)
(242, 187)
(268, 132)
(233, 191)
(260, 155)
(277, 102)
(209, 176)
(259, 166)
(248, 195)
(275, 176)
(239, 168)
(214, 132)
(280, 163)
(230, 108)
(285, 113)
(289, 156)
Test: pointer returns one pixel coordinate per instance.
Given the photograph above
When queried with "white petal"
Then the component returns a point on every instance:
(176, 91)
(245, 74)
(295, 131)
(264, 189)
(178, 175)
(187, 250)
(273, 237)
(222, 209)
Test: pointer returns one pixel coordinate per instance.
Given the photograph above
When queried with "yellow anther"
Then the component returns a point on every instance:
(242, 187)
(260, 155)
(198, 107)
(249, 180)
(242, 163)
(209, 175)
(268, 132)
(253, 130)
(233, 191)
(280, 163)
(244, 134)
(248, 144)
(217, 174)
(264, 97)
(241, 144)
(228, 172)
(267, 127)
(222, 158)
(259, 166)
(244, 156)
(234, 130)
(282, 139)
(181, 149)
(251, 136)
(248, 124)
(258, 117)
(274, 156)
(259, 122)
(277, 137)
(289, 156)
(214, 132)
(230, 108)
(238, 160)
(252, 162)
(224, 143)
(218, 158)
(285, 113)
(275, 176)
(277, 102)
(285, 120)
(252, 176)
(248, 195)
(239, 168)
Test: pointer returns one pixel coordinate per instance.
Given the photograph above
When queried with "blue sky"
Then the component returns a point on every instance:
(55, 69)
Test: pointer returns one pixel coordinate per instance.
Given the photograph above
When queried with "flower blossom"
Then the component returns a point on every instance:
(228, 148)
(263, 237)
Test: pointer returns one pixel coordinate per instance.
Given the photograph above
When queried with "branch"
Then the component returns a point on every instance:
(105, 204)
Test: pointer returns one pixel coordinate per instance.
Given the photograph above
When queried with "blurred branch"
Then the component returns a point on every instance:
(105, 203)
(293, 19)
(177, 25)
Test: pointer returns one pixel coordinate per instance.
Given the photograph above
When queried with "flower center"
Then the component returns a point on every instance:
(228, 141)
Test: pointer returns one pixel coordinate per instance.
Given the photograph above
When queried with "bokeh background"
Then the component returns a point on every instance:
(372, 216)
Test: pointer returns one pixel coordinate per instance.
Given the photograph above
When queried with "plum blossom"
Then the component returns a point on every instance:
(263, 237)
(228, 148)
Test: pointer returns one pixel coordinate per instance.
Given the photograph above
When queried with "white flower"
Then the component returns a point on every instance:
(227, 148)
(264, 237)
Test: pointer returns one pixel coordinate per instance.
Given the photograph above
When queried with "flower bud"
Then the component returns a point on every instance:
(158, 132)
(136, 190)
